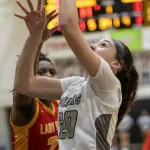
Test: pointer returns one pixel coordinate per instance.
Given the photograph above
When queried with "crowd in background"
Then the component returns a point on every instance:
(71, 67)
(123, 136)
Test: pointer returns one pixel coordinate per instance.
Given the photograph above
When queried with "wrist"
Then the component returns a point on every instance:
(38, 33)
(36, 37)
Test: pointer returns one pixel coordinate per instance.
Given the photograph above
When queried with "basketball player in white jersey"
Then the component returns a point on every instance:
(89, 109)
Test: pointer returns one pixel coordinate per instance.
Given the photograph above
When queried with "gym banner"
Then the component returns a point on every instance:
(131, 37)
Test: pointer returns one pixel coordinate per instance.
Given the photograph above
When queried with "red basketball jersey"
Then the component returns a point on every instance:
(42, 131)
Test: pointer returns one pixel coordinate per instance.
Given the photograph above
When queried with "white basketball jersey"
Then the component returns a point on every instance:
(88, 111)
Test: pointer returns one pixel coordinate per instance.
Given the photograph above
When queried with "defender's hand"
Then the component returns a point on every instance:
(35, 19)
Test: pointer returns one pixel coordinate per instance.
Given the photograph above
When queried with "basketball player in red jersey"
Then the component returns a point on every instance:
(34, 121)
(146, 144)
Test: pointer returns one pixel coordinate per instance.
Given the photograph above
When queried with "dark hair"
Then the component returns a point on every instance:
(43, 57)
(129, 78)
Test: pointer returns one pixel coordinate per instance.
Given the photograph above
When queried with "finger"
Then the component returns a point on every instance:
(43, 12)
(21, 6)
(52, 17)
(39, 5)
(50, 14)
(30, 5)
(20, 16)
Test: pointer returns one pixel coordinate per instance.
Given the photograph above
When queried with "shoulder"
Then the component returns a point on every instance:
(71, 81)
(77, 79)
(104, 80)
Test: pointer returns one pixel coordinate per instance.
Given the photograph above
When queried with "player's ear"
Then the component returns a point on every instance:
(116, 65)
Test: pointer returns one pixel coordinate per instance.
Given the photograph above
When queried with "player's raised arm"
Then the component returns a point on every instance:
(46, 35)
(23, 100)
(25, 81)
(68, 21)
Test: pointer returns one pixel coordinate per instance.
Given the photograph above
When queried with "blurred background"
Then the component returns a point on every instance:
(126, 20)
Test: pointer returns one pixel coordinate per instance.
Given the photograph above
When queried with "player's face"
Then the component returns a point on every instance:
(106, 49)
(46, 69)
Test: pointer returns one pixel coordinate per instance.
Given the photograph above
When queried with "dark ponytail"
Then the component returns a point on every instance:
(129, 78)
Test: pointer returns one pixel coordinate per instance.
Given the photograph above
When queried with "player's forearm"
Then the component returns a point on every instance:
(68, 14)
(36, 63)
(68, 21)
(25, 66)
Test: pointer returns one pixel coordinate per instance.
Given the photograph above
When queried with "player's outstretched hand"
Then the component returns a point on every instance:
(35, 19)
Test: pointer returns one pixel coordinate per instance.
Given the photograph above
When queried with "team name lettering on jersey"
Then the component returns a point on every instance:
(48, 128)
(75, 100)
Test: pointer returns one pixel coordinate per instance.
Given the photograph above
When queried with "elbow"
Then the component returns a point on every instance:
(17, 88)
(21, 88)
